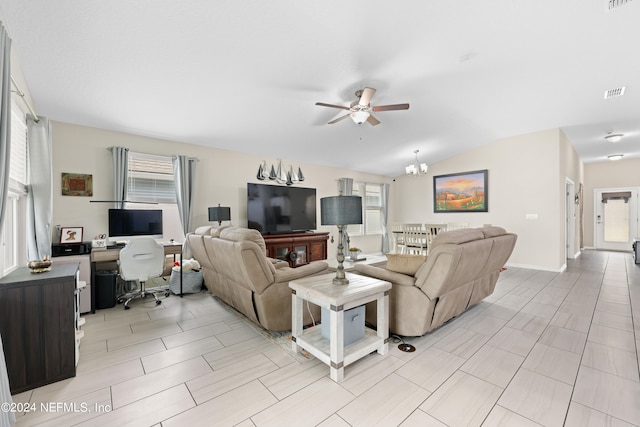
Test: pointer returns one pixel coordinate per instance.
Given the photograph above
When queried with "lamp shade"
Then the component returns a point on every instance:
(341, 210)
(219, 213)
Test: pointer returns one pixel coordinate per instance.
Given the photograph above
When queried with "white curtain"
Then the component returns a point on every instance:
(40, 188)
(384, 196)
(5, 117)
(120, 175)
(184, 173)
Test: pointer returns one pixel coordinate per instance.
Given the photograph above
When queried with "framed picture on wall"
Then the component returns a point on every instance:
(461, 192)
(71, 234)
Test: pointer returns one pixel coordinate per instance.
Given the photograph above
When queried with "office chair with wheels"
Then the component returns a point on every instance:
(142, 259)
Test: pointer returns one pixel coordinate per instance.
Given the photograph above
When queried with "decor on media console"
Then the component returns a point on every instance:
(340, 211)
(461, 192)
(71, 235)
(280, 175)
(219, 214)
(76, 184)
(416, 168)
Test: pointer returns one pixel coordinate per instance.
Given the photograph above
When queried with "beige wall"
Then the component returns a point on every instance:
(607, 174)
(221, 177)
(525, 177)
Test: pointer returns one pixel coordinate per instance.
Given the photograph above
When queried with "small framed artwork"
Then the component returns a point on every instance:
(77, 184)
(461, 192)
(71, 235)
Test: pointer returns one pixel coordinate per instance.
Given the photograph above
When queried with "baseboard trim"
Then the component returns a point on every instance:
(537, 267)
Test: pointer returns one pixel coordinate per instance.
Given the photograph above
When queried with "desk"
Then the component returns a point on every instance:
(107, 258)
(320, 290)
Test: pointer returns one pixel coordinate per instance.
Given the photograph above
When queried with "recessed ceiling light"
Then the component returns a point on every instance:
(614, 137)
(615, 156)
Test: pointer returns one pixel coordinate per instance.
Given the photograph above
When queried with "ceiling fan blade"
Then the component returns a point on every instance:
(373, 121)
(322, 104)
(338, 119)
(390, 107)
(367, 94)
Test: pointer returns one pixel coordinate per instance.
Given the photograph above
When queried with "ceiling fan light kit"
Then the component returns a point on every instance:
(360, 110)
(416, 168)
(281, 175)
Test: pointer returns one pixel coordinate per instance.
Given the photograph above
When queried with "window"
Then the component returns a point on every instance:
(371, 209)
(151, 185)
(14, 226)
(150, 179)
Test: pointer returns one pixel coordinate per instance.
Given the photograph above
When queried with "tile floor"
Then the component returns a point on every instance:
(545, 349)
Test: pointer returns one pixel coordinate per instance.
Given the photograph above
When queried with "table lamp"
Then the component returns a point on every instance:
(219, 214)
(340, 211)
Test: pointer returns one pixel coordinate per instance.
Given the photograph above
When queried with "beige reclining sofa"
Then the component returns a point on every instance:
(236, 269)
(462, 268)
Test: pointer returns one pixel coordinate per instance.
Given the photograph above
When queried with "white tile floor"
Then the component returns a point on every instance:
(545, 349)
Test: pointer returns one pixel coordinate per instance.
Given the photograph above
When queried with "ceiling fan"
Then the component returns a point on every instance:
(361, 109)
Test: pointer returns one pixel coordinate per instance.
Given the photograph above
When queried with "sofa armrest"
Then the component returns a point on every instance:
(278, 263)
(287, 274)
(386, 275)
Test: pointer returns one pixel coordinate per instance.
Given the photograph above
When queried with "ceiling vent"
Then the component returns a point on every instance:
(613, 93)
(615, 4)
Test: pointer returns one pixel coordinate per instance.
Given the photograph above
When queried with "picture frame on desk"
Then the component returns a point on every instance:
(71, 235)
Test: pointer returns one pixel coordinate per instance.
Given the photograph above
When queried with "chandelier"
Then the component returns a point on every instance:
(416, 168)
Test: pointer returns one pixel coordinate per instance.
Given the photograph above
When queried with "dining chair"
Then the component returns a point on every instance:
(415, 239)
(432, 230)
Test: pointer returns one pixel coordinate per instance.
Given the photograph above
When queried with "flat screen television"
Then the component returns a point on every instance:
(127, 223)
(277, 209)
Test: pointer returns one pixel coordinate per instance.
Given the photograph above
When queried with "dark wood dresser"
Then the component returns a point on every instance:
(38, 317)
(297, 248)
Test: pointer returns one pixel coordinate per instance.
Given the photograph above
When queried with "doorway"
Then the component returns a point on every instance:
(570, 220)
(616, 218)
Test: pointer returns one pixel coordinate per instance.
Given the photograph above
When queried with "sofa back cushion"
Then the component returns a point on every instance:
(458, 257)
(244, 234)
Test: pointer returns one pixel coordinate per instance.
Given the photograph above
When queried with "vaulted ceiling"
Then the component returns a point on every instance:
(245, 75)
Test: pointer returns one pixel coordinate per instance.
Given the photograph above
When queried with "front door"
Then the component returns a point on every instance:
(616, 218)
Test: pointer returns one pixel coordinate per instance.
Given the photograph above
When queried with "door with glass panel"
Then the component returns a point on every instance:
(616, 218)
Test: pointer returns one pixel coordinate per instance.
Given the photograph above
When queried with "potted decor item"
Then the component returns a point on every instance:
(40, 266)
(353, 253)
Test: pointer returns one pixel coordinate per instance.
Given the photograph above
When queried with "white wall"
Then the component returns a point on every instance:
(221, 177)
(524, 178)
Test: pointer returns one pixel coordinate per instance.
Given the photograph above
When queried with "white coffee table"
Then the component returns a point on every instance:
(337, 298)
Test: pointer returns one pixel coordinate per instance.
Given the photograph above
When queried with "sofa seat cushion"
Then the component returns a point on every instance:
(405, 263)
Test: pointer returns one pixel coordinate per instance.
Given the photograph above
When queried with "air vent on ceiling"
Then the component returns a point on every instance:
(612, 93)
(614, 4)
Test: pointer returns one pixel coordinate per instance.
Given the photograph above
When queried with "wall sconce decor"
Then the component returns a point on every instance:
(219, 214)
(340, 211)
(281, 175)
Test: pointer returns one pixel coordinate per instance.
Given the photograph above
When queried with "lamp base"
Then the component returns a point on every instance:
(340, 281)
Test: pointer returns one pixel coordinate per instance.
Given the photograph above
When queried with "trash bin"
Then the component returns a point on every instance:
(106, 288)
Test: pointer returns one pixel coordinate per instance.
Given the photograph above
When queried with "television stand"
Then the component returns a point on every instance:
(297, 248)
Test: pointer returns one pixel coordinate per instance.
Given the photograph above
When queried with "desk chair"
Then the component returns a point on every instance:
(142, 259)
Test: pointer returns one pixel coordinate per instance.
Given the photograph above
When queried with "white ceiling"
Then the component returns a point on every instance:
(245, 75)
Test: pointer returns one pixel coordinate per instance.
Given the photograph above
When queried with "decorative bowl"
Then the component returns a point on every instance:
(39, 266)
(353, 254)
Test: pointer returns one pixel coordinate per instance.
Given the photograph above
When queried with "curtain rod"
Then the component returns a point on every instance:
(21, 95)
